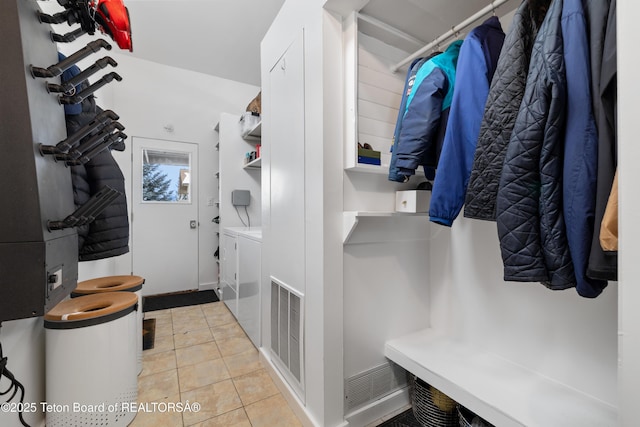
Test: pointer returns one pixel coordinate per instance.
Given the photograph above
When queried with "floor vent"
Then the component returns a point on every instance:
(373, 384)
(286, 331)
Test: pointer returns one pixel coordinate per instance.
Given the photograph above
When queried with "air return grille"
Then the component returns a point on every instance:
(286, 330)
(373, 384)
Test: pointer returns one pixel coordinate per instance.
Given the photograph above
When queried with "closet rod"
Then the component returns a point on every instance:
(452, 32)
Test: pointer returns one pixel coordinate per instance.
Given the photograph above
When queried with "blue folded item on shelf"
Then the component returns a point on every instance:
(368, 160)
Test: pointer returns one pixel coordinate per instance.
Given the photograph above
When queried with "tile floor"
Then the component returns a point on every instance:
(202, 355)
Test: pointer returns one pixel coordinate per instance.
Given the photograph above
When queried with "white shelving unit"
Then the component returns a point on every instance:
(216, 203)
(233, 173)
(506, 394)
(253, 137)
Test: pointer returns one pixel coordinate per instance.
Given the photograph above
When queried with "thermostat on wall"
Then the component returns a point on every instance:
(240, 197)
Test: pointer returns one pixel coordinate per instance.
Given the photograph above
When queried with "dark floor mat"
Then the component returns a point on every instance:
(405, 419)
(148, 333)
(181, 299)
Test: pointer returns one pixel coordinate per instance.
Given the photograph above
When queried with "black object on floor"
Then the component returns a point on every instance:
(148, 333)
(180, 299)
(405, 419)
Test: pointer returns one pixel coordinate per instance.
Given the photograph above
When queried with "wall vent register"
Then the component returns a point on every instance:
(287, 332)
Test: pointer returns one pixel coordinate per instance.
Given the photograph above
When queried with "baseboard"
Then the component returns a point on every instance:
(287, 392)
(370, 415)
(207, 286)
(381, 410)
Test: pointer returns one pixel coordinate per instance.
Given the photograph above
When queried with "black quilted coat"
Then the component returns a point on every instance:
(108, 235)
(530, 219)
(503, 102)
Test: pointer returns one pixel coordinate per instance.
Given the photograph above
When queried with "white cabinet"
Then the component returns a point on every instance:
(229, 273)
(249, 249)
(240, 277)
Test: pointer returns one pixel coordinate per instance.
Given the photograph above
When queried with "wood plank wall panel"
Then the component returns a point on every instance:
(379, 92)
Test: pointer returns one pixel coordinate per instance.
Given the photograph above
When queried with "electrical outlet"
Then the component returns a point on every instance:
(55, 279)
(210, 201)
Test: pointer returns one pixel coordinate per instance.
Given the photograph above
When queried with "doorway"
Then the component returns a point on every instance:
(165, 214)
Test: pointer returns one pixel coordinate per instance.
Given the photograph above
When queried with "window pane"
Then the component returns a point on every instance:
(166, 176)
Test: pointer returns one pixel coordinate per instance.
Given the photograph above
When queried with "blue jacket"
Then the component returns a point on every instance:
(581, 148)
(425, 115)
(476, 65)
(408, 86)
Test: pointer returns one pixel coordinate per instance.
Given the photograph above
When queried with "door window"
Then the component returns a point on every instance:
(166, 176)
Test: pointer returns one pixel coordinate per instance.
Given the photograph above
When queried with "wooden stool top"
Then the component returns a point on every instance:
(91, 306)
(109, 284)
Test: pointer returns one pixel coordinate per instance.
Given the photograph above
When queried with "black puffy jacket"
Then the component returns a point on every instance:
(503, 102)
(108, 234)
(530, 220)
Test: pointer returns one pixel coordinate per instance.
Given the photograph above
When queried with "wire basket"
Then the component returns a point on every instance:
(431, 407)
(469, 419)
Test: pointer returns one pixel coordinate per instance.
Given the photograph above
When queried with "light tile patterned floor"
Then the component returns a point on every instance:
(202, 355)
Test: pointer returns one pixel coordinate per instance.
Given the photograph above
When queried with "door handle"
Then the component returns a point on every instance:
(193, 224)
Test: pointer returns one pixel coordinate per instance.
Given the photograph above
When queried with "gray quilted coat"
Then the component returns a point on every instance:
(503, 102)
(530, 219)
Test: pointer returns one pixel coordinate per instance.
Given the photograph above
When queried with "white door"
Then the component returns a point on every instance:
(165, 215)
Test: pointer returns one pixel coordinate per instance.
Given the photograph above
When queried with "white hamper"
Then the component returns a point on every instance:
(117, 284)
(91, 360)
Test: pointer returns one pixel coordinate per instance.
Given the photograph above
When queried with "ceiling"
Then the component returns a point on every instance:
(222, 37)
(217, 37)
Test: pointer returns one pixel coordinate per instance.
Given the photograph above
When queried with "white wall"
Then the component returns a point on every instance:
(386, 283)
(558, 334)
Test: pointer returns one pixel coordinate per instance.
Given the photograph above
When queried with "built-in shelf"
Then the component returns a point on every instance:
(363, 167)
(351, 220)
(503, 393)
(253, 164)
(256, 132)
